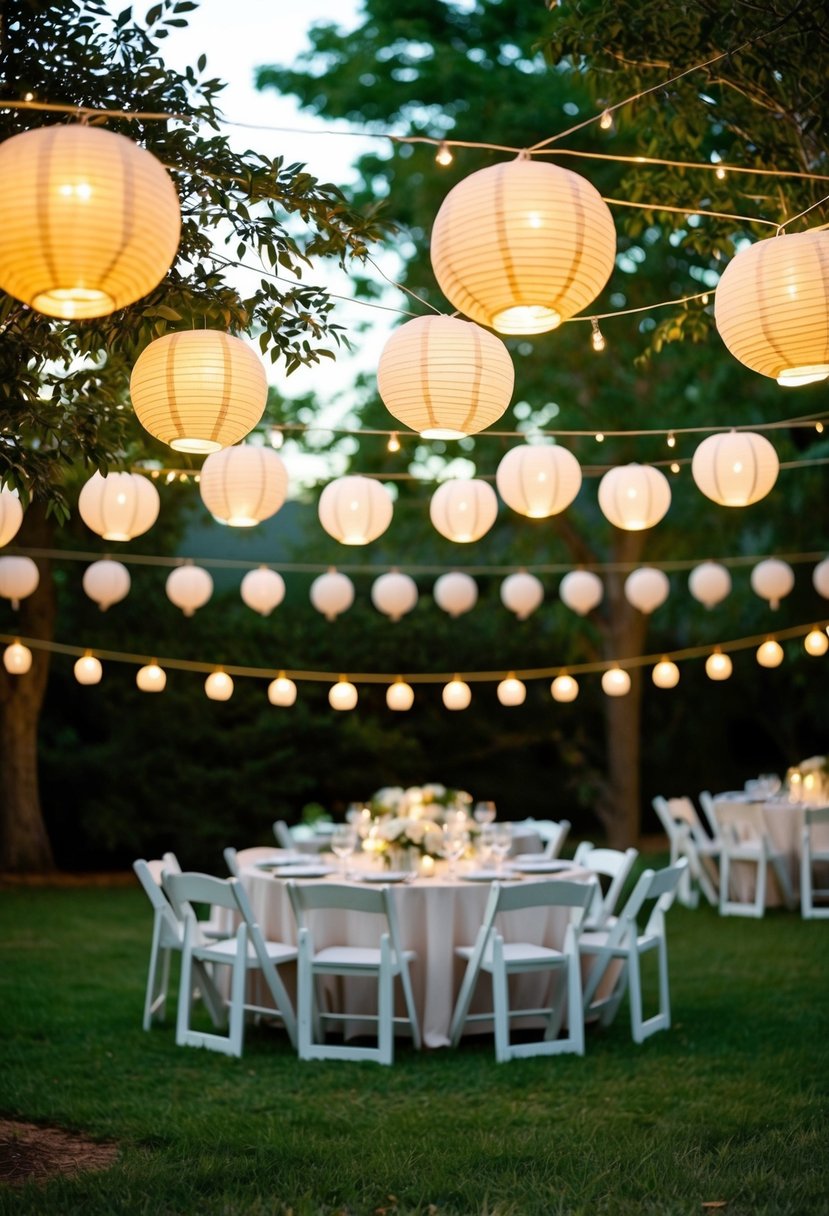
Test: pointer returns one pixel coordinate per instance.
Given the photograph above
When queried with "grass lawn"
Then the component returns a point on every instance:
(728, 1107)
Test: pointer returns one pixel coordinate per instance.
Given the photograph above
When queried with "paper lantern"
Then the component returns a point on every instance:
(522, 245)
(263, 590)
(718, 666)
(710, 583)
(511, 691)
(538, 480)
(19, 577)
(282, 691)
(735, 469)
(89, 221)
(816, 642)
(772, 580)
(119, 506)
(342, 695)
(189, 588)
(394, 594)
(581, 591)
(241, 486)
(772, 307)
(198, 390)
(564, 688)
(647, 588)
(17, 659)
(445, 377)
(455, 592)
(456, 694)
(151, 678)
(616, 682)
(88, 670)
(400, 696)
(770, 654)
(522, 593)
(355, 510)
(665, 674)
(634, 496)
(219, 686)
(463, 511)
(820, 578)
(106, 582)
(332, 593)
(11, 513)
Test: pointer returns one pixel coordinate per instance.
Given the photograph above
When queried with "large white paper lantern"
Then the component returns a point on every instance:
(445, 377)
(634, 496)
(189, 588)
(456, 694)
(106, 582)
(455, 592)
(11, 513)
(710, 583)
(522, 245)
(282, 691)
(816, 642)
(735, 469)
(394, 594)
(772, 580)
(17, 659)
(89, 221)
(88, 670)
(564, 688)
(616, 682)
(665, 674)
(19, 577)
(463, 511)
(522, 593)
(770, 654)
(241, 486)
(820, 578)
(581, 591)
(263, 590)
(342, 695)
(119, 506)
(538, 480)
(400, 696)
(199, 390)
(647, 588)
(772, 307)
(511, 691)
(718, 666)
(151, 678)
(219, 686)
(355, 510)
(332, 593)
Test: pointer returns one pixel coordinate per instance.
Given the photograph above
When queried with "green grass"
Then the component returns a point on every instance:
(728, 1105)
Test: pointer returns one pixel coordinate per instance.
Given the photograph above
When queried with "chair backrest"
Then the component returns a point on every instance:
(238, 859)
(609, 863)
(679, 811)
(283, 834)
(706, 801)
(231, 860)
(658, 885)
(816, 828)
(144, 871)
(550, 893)
(315, 897)
(191, 887)
(740, 822)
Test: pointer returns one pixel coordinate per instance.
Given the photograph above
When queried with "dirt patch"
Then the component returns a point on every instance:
(32, 1153)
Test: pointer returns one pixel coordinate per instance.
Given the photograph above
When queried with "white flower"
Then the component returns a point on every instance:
(813, 764)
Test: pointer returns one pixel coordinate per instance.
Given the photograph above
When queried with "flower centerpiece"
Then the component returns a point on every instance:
(809, 780)
(408, 824)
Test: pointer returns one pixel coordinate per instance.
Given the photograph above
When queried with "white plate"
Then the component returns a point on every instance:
(484, 875)
(387, 876)
(543, 867)
(304, 871)
(274, 863)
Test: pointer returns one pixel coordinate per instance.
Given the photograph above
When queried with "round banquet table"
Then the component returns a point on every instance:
(783, 821)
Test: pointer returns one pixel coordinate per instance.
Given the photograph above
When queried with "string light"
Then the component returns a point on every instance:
(599, 437)
(671, 440)
(606, 121)
(444, 156)
(596, 337)
(719, 173)
(394, 443)
(674, 466)
(819, 428)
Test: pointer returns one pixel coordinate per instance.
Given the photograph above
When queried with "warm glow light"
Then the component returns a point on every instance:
(564, 688)
(522, 593)
(463, 511)
(400, 696)
(342, 695)
(538, 480)
(219, 686)
(735, 469)
(820, 578)
(718, 666)
(444, 156)
(456, 694)
(355, 510)
(88, 670)
(455, 592)
(263, 590)
(634, 496)
(394, 594)
(151, 678)
(710, 583)
(770, 654)
(816, 642)
(119, 506)
(11, 515)
(581, 591)
(189, 588)
(282, 691)
(17, 659)
(772, 580)
(19, 578)
(106, 582)
(241, 486)
(332, 593)
(512, 691)
(647, 588)
(665, 674)
(616, 682)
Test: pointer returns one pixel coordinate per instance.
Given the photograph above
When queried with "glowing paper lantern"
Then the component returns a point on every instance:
(394, 594)
(718, 666)
(219, 686)
(332, 593)
(735, 469)
(282, 691)
(512, 691)
(522, 593)
(616, 682)
(241, 486)
(189, 588)
(88, 670)
(119, 506)
(665, 674)
(444, 377)
(11, 513)
(199, 390)
(400, 696)
(17, 659)
(342, 695)
(820, 578)
(538, 480)
(772, 580)
(355, 510)
(816, 642)
(634, 496)
(151, 678)
(455, 592)
(463, 511)
(456, 694)
(522, 245)
(647, 588)
(263, 590)
(581, 591)
(19, 577)
(89, 221)
(710, 583)
(770, 654)
(772, 307)
(564, 688)
(106, 582)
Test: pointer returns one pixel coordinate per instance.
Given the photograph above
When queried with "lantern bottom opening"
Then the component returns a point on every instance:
(442, 432)
(237, 521)
(71, 303)
(115, 536)
(526, 319)
(810, 373)
(199, 447)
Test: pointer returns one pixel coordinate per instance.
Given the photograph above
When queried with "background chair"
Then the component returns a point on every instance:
(283, 835)
(237, 860)
(612, 864)
(688, 838)
(706, 801)
(814, 850)
(551, 833)
(745, 838)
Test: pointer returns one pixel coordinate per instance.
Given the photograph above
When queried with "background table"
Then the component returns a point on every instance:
(783, 821)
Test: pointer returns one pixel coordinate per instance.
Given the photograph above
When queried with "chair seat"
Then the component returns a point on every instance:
(225, 952)
(353, 956)
(514, 952)
(592, 942)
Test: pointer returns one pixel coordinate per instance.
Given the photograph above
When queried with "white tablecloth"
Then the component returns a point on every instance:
(783, 821)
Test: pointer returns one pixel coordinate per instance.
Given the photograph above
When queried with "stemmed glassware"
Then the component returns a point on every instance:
(484, 812)
(343, 843)
(455, 840)
(501, 843)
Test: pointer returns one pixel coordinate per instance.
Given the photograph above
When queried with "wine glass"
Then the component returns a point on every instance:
(484, 812)
(501, 843)
(485, 839)
(455, 840)
(343, 844)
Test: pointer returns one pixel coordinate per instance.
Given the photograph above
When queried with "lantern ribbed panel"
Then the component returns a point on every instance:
(710, 583)
(189, 588)
(199, 390)
(263, 590)
(11, 516)
(522, 245)
(332, 593)
(772, 305)
(455, 592)
(538, 480)
(647, 588)
(89, 221)
(394, 594)
(241, 486)
(463, 511)
(581, 591)
(444, 377)
(355, 510)
(522, 593)
(119, 506)
(634, 496)
(106, 582)
(19, 577)
(735, 469)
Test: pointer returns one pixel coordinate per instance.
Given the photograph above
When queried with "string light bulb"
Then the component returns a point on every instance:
(770, 653)
(666, 674)
(671, 439)
(400, 695)
(718, 666)
(342, 695)
(282, 691)
(151, 678)
(444, 156)
(17, 658)
(606, 121)
(597, 337)
(88, 669)
(564, 688)
(816, 642)
(394, 443)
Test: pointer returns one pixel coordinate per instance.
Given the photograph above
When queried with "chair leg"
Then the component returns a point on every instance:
(408, 995)
(500, 1001)
(760, 890)
(806, 883)
(575, 1004)
(185, 992)
(236, 1029)
(635, 993)
(385, 1005)
(151, 996)
(306, 1014)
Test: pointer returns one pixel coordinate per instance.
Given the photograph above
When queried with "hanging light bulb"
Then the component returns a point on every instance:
(665, 674)
(342, 695)
(88, 669)
(219, 686)
(189, 588)
(772, 580)
(770, 654)
(512, 691)
(151, 678)
(581, 591)
(393, 444)
(400, 695)
(444, 156)
(718, 666)
(11, 515)
(564, 688)
(606, 120)
(332, 593)
(597, 337)
(19, 578)
(263, 590)
(710, 583)
(456, 694)
(816, 642)
(616, 682)
(282, 691)
(455, 592)
(522, 593)
(106, 582)
(17, 659)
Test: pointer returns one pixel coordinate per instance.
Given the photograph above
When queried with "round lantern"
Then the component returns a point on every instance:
(512, 691)
(219, 686)
(770, 654)
(463, 511)
(282, 691)
(88, 670)
(634, 496)
(616, 682)
(538, 480)
(581, 591)
(665, 674)
(199, 390)
(151, 678)
(564, 688)
(17, 659)
(772, 580)
(19, 577)
(189, 588)
(119, 506)
(11, 513)
(455, 592)
(355, 510)
(263, 590)
(241, 486)
(522, 593)
(89, 221)
(522, 245)
(772, 307)
(456, 694)
(332, 593)
(816, 642)
(342, 695)
(400, 696)
(710, 583)
(718, 666)
(735, 469)
(445, 377)
(647, 588)
(394, 594)
(106, 582)
(820, 578)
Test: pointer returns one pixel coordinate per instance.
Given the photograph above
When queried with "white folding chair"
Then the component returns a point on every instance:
(237, 860)
(745, 838)
(605, 863)
(814, 850)
(551, 833)
(284, 837)
(246, 951)
(501, 959)
(706, 801)
(385, 962)
(622, 940)
(688, 838)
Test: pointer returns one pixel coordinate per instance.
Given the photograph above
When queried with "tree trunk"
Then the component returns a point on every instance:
(24, 843)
